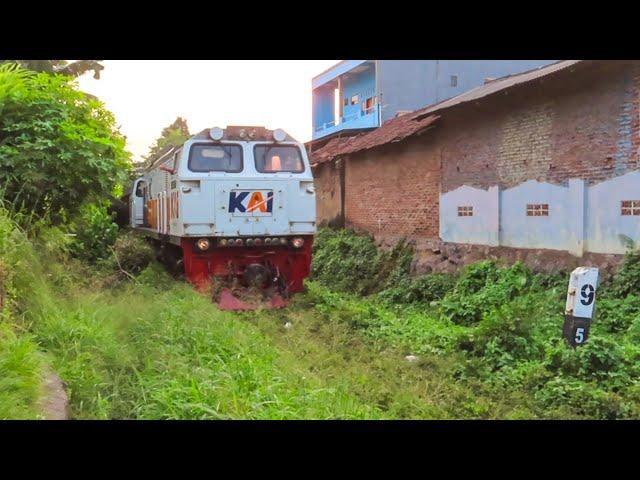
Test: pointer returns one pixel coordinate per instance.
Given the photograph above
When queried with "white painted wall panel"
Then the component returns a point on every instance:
(520, 230)
(604, 222)
(580, 218)
(480, 228)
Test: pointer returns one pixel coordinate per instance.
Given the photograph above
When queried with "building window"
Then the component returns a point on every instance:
(537, 209)
(466, 211)
(630, 207)
(355, 99)
(368, 105)
(454, 80)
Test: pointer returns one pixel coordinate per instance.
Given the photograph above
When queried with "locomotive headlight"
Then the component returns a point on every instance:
(203, 244)
(216, 133)
(298, 242)
(279, 135)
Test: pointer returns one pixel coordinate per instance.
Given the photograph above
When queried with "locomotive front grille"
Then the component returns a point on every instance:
(253, 242)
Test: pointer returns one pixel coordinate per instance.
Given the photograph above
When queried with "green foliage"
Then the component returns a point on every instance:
(500, 326)
(21, 371)
(424, 289)
(95, 233)
(486, 343)
(504, 335)
(58, 147)
(599, 359)
(74, 69)
(627, 280)
(574, 398)
(352, 263)
(22, 365)
(617, 314)
(482, 287)
(346, 261)
(132, 252)
(172, 136)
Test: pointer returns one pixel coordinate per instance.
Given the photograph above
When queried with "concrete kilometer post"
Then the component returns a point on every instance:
(579, 309)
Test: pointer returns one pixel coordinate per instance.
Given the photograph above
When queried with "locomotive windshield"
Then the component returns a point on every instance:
(215, 158)
(278, 158)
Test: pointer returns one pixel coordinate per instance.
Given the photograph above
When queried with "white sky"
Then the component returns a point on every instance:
(147, 95)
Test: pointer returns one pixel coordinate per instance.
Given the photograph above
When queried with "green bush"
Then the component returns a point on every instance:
(348, 262)
(132, 253)
(95, 233)
(58, 146)
(483, 287)
(601, 358)
(505, 334)
(576, 397)
(617, 314)
(422, 289)
(500, 327)
(627, 280)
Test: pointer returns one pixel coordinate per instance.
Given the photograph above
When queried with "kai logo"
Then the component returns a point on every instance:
(251, 202)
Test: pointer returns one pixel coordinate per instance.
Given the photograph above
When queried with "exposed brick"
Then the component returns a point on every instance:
(328, 199)
(396, 191)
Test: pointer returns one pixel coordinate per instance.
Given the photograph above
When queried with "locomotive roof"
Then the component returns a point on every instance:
(231, 132)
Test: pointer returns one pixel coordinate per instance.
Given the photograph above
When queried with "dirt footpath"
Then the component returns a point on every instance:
(54, 403)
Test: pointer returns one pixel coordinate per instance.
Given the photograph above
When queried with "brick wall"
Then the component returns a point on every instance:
(394, 190)
(328, 198)
(569, 126)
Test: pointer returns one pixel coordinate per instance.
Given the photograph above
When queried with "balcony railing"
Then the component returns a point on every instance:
(325, 126)
(363, 119)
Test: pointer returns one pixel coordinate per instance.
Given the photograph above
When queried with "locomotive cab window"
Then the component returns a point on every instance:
(215, 158)
(278, 158)
(140, 189)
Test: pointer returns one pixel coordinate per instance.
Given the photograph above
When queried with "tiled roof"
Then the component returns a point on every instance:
(392, 131)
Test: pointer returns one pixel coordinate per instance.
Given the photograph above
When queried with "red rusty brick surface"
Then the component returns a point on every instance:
(328, 199)
(394, 191)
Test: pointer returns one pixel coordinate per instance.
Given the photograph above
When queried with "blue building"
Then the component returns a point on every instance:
(357, 95)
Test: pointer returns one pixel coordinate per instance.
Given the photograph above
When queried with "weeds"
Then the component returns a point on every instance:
(486, 342)
(503, 326)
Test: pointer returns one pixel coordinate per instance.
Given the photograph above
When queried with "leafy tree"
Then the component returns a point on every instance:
(172, 136)
(59, 148)
(73, 69)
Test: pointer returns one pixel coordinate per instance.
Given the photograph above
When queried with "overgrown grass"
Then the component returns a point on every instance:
(503, 326)
(22, 365)
(21, 375)
(153, 348)
(484, 344)
(158, 349)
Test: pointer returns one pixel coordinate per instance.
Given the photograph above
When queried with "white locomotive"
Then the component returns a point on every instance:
(235, 202)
